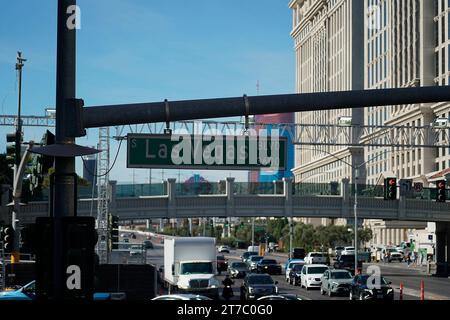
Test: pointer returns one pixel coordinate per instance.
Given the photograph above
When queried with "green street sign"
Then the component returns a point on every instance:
(260, 228)
(206, 152)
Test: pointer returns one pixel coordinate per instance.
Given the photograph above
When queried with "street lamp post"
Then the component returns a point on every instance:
(355, 211)
(253, 232)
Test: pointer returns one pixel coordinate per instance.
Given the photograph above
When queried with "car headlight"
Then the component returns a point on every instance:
(335, 283)
(183, 286)
(276, 290)
(390, 290)
(250, 290)
(368, 291)
(214, 283)
(265, 267)
(310, 278)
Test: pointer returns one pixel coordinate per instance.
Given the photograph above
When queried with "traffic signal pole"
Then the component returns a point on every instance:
(15, 256)
(64, 197)
(168, 111)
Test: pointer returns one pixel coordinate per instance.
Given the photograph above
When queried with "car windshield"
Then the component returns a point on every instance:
(135, 247)
(297, 267)
(29, 287)
(349, 248)
(249, 254)
(341, 275)
(339, 248)
(255, 258)
(317, 270)
(220, 258)
(260, 279)
(196, 268)
(364, 279)
(293, 264)
(317, 254)
(238, 265)
(268, 261)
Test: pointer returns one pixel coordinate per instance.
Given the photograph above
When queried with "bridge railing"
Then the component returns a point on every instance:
(239, 188)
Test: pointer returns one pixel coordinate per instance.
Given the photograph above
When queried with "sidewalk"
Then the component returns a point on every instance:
(402, 265)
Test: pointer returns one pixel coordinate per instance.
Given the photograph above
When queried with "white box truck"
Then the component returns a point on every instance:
(190, 265)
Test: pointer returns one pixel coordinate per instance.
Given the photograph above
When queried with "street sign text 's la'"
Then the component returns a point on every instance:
(206, 152)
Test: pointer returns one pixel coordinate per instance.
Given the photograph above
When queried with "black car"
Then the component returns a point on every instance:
(258, 285)
(295, 274)
(347, 262)
(269, 266)
(298, 253)
(364, 288)
(237, 270)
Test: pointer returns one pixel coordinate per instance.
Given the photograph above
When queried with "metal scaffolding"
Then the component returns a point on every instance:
(28, 121)
(301, 134)
(103, 195)
(314, 134)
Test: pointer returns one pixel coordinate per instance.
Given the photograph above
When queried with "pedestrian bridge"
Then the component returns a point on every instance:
(284, 203)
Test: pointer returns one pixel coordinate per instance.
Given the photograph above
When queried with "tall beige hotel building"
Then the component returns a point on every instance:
(371, 44)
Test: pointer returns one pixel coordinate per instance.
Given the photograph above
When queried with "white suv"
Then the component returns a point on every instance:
(311, 275)
(348, 250)
(316, 257)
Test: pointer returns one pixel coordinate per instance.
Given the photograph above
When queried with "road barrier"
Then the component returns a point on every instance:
(401, 290)
(422, 290)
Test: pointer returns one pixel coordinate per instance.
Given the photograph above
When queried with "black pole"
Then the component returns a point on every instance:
(103, 116)
(19, 66)
(64, 167)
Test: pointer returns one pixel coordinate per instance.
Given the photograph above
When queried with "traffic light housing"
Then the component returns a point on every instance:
(27, 239)
(46, 162)
(441, 191)
(114, 232)
(390, 189)
(41, 163)
(7, 235)
(11, 151)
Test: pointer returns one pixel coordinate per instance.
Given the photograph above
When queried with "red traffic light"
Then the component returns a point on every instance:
(441, 185)
(392, 182)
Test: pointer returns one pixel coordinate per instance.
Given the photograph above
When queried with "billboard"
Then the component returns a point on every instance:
(267, 175)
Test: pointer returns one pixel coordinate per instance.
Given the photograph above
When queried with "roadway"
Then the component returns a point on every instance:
(435, 288)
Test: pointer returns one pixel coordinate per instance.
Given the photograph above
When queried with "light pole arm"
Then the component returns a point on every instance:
(18, 176)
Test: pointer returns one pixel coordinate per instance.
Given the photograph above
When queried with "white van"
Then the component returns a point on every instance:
(253, 249)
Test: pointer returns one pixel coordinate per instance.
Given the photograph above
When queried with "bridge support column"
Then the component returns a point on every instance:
(230, 204)
(345, 194)
(442, 248)
(287, 187)
(401, 207)
(171, 203)
(113, 197)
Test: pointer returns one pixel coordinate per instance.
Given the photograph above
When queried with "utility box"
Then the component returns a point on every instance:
(431, 267)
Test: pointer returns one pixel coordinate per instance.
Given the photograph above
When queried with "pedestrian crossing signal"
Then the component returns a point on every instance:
(390, 189)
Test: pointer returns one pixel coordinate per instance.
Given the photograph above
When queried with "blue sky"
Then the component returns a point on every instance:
(148, 50)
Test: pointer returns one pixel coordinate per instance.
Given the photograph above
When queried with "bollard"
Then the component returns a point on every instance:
(401, 290)
(422, 290)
